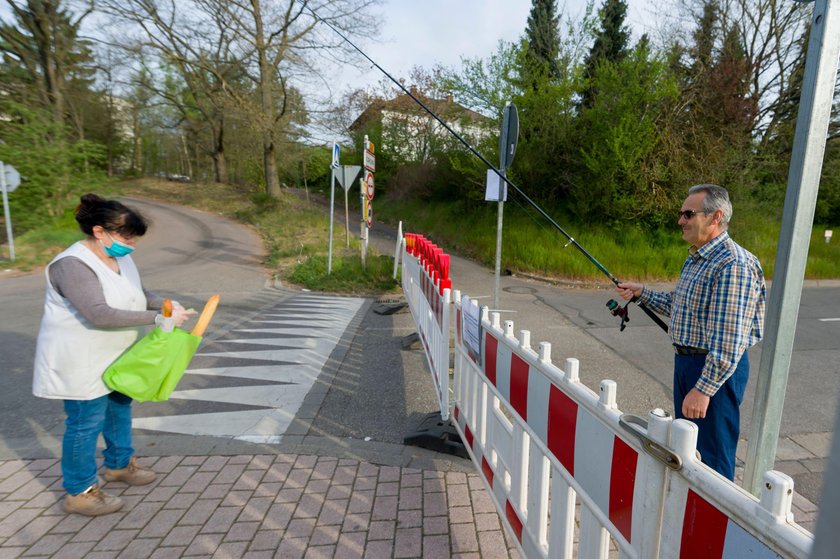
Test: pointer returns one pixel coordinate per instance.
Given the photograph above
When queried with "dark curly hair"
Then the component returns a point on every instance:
(111, 215)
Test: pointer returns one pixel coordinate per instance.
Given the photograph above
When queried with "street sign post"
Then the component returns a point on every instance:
(9, 181)
(507, 148)
(336, 153)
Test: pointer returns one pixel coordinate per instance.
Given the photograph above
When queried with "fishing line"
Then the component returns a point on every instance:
(484, 160)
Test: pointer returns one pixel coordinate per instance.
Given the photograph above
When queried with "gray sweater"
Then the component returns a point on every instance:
(77, 283)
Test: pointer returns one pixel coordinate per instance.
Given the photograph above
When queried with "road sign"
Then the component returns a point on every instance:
(12, 178)
(346, 175)
(369, 161)
(509, 136)
(336, 153)
(368, 145)
(369, 185)
(368, 212)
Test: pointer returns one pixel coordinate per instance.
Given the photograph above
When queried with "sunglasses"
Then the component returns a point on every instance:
(688, 214)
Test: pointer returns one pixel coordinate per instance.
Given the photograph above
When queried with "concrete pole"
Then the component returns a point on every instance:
(797, 223)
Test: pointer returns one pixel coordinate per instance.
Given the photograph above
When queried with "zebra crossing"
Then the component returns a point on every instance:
(250, 383)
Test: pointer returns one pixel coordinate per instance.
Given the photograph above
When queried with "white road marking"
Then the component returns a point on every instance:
(300, 360)
(829, 319)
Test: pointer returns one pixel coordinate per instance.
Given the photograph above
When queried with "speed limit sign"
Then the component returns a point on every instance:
(369, 185)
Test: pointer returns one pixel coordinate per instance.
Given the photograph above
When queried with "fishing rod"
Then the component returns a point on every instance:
(612, 305)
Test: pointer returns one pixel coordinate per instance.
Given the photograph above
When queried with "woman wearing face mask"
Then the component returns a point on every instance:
(95, 308)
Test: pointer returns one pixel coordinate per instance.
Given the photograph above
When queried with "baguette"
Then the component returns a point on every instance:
(206, 315)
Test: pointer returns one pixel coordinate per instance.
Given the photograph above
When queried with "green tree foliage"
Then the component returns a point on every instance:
(542, 36)
(54, 173)
(624, 182)
(611, 44)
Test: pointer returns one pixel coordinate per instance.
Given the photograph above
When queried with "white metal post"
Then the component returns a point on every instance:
(332, 208)
(6, 212)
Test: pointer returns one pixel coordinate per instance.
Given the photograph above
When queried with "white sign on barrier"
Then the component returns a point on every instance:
(471, 328)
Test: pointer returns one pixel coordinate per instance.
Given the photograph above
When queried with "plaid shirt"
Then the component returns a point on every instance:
(717, 305)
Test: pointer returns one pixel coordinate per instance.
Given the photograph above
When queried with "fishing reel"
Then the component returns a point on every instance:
(619, 311)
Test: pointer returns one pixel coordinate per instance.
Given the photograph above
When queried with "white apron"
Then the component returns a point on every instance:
(72, 354)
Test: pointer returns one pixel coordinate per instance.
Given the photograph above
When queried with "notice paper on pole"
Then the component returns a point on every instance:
(495, 185)
(471, 327)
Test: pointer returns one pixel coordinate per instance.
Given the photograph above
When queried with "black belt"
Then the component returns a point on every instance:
(688, 350)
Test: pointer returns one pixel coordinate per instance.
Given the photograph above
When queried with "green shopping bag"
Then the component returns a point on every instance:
(151, 368)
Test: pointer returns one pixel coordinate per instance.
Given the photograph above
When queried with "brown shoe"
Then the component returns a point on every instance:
(133, 474)
(92, 502)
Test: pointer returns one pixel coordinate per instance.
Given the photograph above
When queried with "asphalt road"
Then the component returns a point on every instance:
(190, 255)
(187, 255)
(640, 358)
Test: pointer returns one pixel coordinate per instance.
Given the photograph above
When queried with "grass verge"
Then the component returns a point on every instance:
(531, 245)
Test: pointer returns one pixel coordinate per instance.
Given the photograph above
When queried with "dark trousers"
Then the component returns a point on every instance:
(718, 431)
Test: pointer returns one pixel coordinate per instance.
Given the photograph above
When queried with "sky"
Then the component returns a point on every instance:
(423, 33)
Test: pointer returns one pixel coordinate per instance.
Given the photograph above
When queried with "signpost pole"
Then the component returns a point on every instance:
(363, 229)
(332, 207)
(336, 154)
(507, 147)
(6, 212)
(347, 214)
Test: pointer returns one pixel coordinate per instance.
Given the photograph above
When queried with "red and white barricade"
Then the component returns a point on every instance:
(426, 285)
(709, 517)
(546, 445)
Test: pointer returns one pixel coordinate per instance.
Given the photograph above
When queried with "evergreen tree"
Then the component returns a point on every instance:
(611, 44)
(543, 37)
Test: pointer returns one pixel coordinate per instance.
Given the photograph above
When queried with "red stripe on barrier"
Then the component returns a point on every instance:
(468, 434)
(519, 386)
(704, 529)
(515, 523)
(491, 345)
(487, 471)
(456, 412)
(562, 420)
(622, 484)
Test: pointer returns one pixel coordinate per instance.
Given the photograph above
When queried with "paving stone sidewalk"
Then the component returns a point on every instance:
(256, 506)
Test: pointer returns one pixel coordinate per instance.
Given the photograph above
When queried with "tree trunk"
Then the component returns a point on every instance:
(137, 146)
(272, 180)
(219, 161)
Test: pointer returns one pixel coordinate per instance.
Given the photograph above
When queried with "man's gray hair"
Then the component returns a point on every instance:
(717, 198)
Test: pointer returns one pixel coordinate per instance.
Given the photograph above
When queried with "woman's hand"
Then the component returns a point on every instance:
(180, 314)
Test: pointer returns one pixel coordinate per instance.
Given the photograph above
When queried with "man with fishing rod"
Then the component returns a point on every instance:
(717, 313)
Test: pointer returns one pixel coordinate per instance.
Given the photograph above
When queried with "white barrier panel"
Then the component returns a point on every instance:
(426, 285)
(545, 444)
(707, 516)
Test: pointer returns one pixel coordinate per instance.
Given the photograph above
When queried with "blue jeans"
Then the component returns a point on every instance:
(86, 419)
(718, 433)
